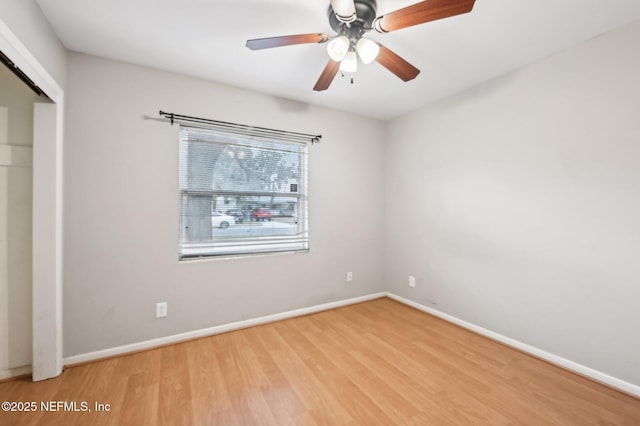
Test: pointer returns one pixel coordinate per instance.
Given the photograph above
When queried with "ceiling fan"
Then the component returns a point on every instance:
(351, 20)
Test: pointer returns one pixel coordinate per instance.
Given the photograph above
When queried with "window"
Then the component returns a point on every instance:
(241, 194)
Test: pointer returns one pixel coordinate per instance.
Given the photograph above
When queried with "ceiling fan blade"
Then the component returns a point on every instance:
(419, 13)
(269, 42)
(394, 63)
(345, 10)
(327, 76)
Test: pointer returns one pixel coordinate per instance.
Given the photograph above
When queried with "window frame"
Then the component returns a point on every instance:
(254, 245)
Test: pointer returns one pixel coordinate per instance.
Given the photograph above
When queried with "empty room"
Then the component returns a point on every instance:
(327, 212)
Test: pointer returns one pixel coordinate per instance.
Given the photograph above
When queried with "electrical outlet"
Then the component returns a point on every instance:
(349, 277)
(412, 281)
(161, 310)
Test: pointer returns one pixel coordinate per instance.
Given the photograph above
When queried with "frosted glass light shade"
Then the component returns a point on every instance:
(338, 48)
(349, 63)
(368, 50)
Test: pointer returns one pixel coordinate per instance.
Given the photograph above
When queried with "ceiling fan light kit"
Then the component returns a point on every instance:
(350, 63)
(351, 20)
(367, 50)
(338, 47)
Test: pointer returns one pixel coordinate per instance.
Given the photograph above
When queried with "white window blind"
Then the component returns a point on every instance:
(241, 194)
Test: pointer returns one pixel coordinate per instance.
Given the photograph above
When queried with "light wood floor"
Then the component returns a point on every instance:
(378, 362)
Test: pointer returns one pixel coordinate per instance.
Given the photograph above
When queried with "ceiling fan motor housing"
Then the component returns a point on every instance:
(366, 14)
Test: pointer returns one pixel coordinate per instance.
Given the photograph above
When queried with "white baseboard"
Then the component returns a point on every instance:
(583, 370)
(15, 372)
(210, 331)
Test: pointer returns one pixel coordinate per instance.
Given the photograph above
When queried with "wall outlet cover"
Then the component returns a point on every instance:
(161, 310)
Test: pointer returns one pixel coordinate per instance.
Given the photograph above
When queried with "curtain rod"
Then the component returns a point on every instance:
(239, 127)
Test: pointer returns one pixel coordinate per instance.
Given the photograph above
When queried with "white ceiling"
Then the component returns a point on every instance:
(205, 39)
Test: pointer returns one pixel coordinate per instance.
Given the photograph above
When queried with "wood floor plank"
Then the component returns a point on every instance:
(209, 396)
(174, 393)
(374, 363)
(430, 380)
(341, 345)
(361, 408)
(322, 404)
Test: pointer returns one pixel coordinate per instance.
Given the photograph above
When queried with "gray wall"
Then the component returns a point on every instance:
(514, 204)
(520, 202)
(16, 139)
(122, 206)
